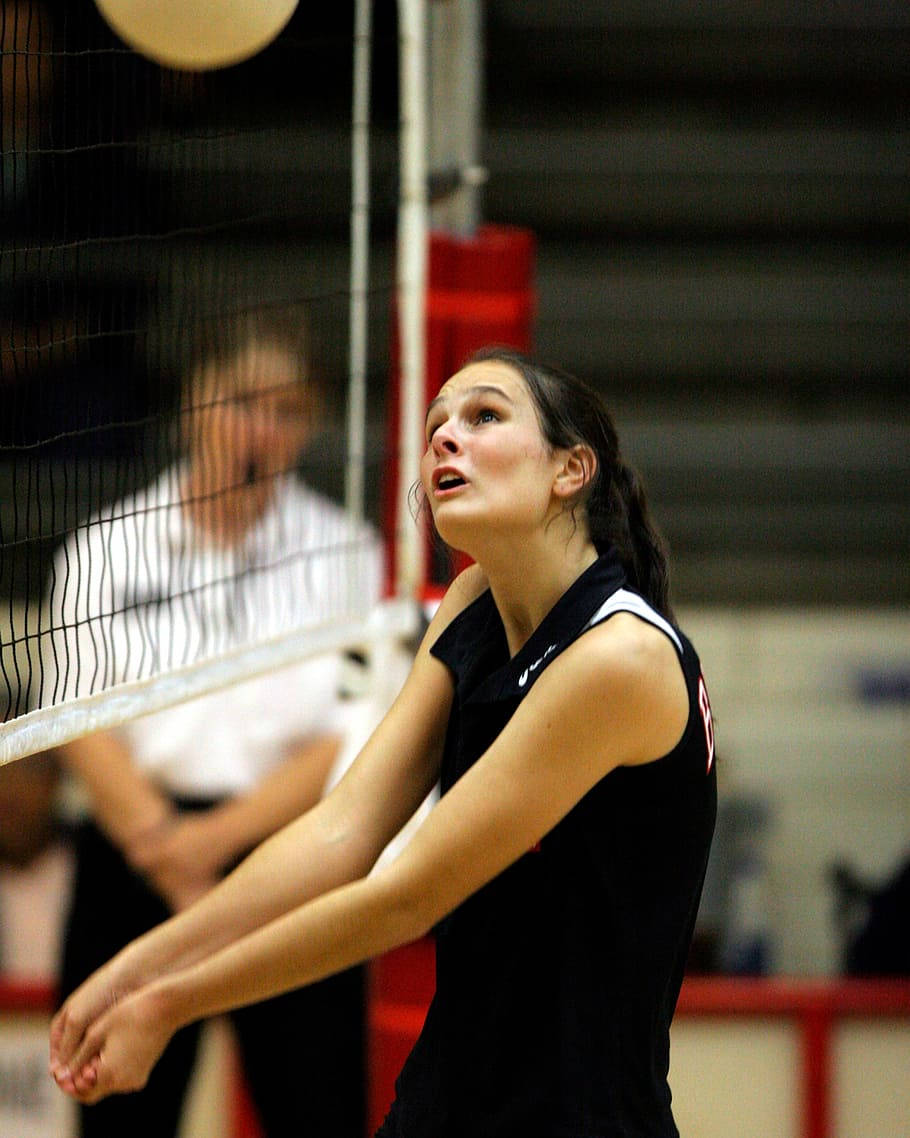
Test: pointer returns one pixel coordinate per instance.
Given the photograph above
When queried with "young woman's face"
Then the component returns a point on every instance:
(486, 463)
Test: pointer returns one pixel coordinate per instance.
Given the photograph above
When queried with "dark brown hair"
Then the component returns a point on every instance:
(614, 501)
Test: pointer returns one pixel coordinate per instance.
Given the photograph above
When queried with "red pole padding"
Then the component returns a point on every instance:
(480, 291)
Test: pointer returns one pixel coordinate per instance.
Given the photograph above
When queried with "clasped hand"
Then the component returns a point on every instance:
(106, 1043)
(182, 858)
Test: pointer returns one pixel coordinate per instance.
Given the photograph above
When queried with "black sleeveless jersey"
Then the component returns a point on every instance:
(557, 981)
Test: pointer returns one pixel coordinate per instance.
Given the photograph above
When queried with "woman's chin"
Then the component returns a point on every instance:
(453, 531)
(462, 536)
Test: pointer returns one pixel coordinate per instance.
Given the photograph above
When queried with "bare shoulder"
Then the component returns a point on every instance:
(626, 671)
(628, 641)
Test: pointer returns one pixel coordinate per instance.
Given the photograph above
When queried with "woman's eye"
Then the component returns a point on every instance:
(486, 416)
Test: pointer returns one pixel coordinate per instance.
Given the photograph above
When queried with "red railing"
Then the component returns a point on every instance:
(402, 984)
(815, 1007)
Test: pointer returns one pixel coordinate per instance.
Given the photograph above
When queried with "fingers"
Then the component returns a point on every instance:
(75, 1070)
(87, 1083)
(88, 1038)
(88, 1077)
(56, 1036)
(81, 1082)
(66, 1033)
(94, 1081)
(75, 1056)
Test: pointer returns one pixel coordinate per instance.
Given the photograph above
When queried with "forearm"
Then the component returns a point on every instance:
(101, 1045)
(125, 803)
(315, 854)
(283, 795)
(340, 929)
(336, 842)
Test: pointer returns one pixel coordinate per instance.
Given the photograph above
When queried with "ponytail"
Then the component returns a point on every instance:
(614, 500)
(639, 544)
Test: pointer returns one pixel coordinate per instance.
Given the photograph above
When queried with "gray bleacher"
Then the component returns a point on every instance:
(721, 196)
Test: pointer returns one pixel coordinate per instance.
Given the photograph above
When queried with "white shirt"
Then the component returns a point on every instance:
(137, 591)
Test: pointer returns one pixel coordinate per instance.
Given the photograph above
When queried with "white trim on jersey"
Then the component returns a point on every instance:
(625, 601)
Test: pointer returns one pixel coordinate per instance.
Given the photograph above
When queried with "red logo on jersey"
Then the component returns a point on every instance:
(704, 706)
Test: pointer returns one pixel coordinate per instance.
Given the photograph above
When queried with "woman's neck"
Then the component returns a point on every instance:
(526, 585)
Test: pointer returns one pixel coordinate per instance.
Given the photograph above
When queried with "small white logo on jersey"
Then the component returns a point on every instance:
(523, 678)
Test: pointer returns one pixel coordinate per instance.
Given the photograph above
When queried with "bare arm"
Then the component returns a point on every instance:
(284, 794)
(336, 842)
(628, 705)
(125, 803)
(201, 845)
(134, 814)
(340, 839)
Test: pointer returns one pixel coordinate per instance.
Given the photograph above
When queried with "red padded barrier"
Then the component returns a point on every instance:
(480, 291)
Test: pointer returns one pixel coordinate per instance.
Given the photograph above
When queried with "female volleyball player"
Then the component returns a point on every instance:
(569, 724)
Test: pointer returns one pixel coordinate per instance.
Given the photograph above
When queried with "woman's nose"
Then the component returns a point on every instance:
(445, 440)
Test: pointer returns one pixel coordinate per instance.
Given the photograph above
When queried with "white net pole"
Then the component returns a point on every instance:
(456, 97)
(466, 112)
(360, 265)
(412, 278)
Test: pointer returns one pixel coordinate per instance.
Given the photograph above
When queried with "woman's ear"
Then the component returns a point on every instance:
(577, 471)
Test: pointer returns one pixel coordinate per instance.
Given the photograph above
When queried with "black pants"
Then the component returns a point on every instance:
(303, 1053)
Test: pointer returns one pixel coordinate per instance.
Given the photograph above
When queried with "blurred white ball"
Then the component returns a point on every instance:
(197, 35)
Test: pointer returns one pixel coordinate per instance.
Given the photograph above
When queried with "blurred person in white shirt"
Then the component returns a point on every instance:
(182, 570)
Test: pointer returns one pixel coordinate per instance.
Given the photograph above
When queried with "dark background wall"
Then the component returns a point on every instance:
(721, 196)
(719, 193)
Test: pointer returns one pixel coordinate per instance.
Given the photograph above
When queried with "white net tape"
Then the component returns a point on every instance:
(52, 726)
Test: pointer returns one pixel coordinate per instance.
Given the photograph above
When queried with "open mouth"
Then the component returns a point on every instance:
(449, 482)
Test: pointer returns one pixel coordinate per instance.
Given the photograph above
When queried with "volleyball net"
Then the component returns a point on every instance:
(196, 294)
